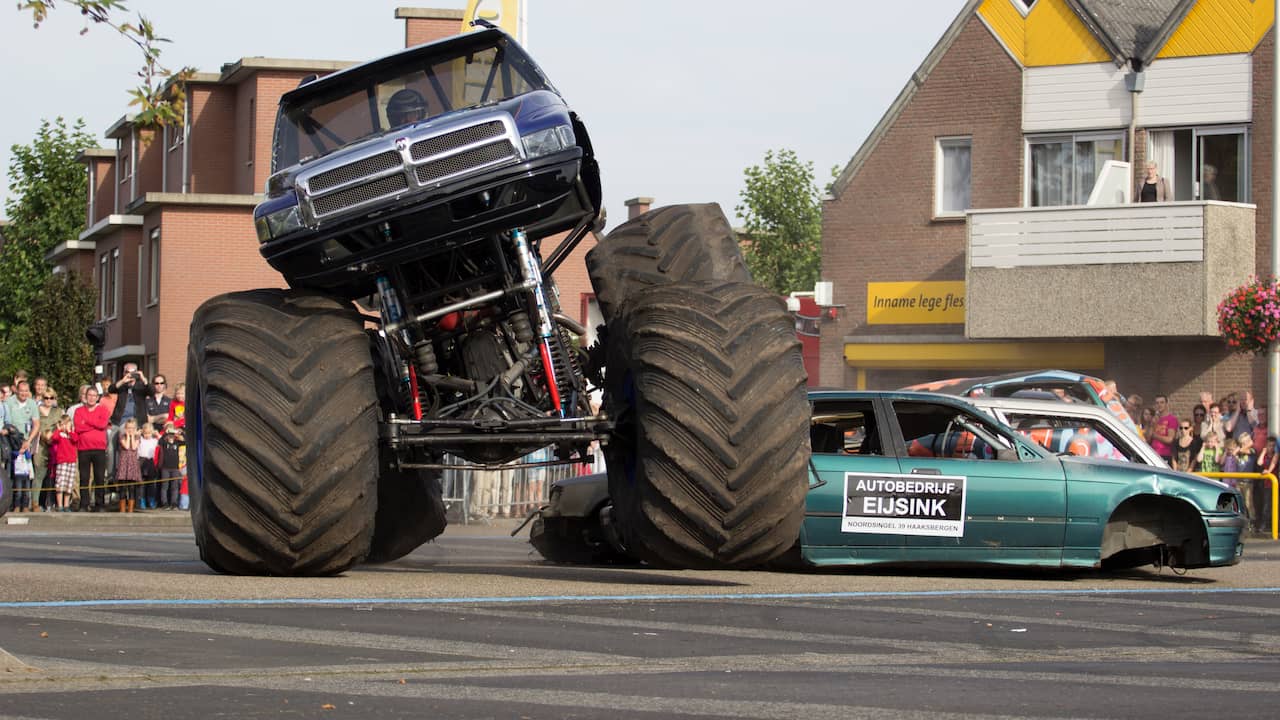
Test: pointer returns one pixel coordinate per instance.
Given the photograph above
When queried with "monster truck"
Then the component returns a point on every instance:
(408, 204)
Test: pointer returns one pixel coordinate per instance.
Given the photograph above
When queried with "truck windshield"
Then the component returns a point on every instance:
(386, 94)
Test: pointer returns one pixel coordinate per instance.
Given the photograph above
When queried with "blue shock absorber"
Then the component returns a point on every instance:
(392, 313)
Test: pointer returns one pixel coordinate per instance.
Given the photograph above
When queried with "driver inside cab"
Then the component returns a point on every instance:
(406, 107)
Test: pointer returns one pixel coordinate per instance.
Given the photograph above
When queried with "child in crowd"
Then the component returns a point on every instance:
(22, 481)
(1209, 459)
(178, 407)
(169, 460)
(128, 477)
(147, 468)
(62, 453)
(1242, 460)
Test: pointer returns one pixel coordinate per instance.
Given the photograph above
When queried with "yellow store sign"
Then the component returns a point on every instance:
(915, 303)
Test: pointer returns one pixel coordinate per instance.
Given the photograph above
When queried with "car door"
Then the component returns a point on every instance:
(848, 442)
(1013, 497)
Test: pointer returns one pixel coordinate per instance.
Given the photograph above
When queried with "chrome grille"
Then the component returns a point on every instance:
(464, 161)
(359, 194)
(374, 165)
(449, 141)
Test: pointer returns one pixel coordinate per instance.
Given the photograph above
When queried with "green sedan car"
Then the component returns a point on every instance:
(921, 478)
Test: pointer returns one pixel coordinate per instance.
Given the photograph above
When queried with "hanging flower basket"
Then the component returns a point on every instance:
(1249, 317)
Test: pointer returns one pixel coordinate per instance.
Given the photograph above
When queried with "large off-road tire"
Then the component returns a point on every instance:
(411, 512)
(670, 244)
(708, 467)
(282, 434)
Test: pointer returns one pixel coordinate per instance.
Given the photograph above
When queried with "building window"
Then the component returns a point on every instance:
(253, 129)
(103, 286)
(153, 268)
(177, 134)
(115, 280)
(141, 279)
(126, 167)
(109, 284)
(1207, 163)
(1063, 169)
(954, 175)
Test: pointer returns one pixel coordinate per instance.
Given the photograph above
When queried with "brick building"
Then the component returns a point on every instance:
(985, 226)
(170, 212)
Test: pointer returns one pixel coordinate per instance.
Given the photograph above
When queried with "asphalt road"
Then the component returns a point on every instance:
(108, 621)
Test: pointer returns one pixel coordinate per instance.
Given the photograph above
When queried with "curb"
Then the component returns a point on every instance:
(54, 520)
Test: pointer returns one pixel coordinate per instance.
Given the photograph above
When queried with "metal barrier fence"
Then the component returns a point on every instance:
(1255, 477)
(510, 492)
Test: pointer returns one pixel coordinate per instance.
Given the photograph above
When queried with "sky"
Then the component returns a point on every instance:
(679, 96)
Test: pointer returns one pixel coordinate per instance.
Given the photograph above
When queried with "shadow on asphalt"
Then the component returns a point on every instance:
(600, 574)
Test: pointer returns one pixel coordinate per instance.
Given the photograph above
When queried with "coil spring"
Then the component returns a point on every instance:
(568, 370)
(521, 327)
(424, 358)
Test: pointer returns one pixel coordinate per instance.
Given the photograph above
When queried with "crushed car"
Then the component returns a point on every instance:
(922, 478)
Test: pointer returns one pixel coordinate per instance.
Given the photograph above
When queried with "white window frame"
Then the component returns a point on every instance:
(109, 284)
(115, 282)
(939, 144)
(141, 280)
(104, 285)
(124, 161)
(1071, 137)
(1022, 6)
(153, 268)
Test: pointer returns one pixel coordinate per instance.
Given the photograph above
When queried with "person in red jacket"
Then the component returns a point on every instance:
(91, 423)
(62, 454)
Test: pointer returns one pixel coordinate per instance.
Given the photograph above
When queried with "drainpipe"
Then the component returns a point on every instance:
(1134, 82)
(1273, 360)
(164, 159)
(186, 144)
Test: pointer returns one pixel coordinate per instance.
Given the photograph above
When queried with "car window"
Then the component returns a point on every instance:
(1075, 436)
(933, 430)
(844, 427)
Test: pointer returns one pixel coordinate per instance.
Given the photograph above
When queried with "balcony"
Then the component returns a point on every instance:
(1152, 269)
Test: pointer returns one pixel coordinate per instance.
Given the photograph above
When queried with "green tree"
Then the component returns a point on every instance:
(48, 190)
(782, 211)
(161, 96)
(58, 350)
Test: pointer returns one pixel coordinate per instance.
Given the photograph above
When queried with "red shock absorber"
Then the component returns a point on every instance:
(413, 392)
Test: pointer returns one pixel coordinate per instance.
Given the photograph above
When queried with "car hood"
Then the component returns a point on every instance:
(1134, 479)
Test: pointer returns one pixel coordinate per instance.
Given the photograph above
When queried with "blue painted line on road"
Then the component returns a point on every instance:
(529, 599)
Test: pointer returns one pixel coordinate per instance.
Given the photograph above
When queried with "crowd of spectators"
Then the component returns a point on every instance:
(1217, 435)
(119, 445)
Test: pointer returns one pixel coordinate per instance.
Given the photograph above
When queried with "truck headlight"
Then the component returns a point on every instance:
(278, 223)
(545, 142)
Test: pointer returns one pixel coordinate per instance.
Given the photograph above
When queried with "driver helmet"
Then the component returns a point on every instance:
(406, 106)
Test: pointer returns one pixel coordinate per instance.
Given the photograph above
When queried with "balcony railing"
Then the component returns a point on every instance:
(1105, 271)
